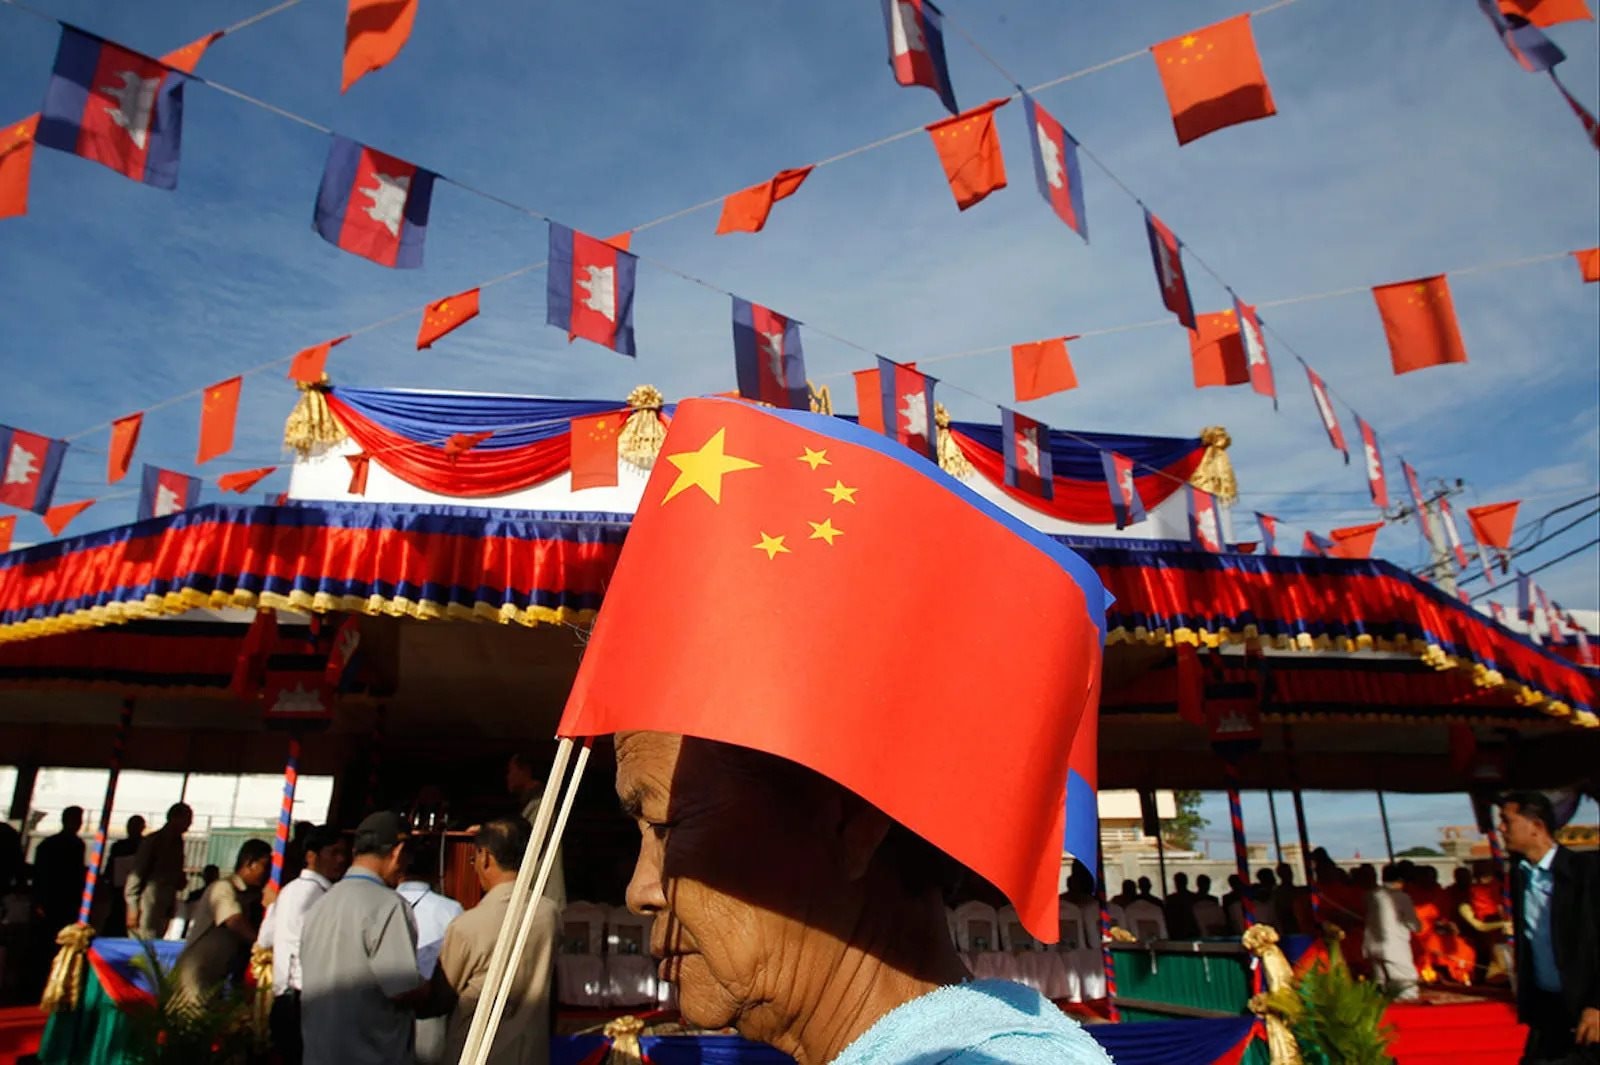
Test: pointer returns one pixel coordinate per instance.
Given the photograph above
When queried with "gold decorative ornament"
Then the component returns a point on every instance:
(640, 440)
(261, 1003)
(311, 424)
(63, 991)
(624, 1034)
(821, 398)
(951, 460)
(1279, 1006)
(1215, 472)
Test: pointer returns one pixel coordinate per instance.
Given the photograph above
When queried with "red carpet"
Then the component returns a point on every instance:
(1484, 1033)
(20, 1031)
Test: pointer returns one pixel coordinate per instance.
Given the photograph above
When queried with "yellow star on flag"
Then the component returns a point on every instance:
(842, 493)
(772, 545)
(816, 458)
(824, 530)
(705, 468)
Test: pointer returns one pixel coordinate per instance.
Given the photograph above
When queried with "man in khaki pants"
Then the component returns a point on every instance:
(157, 876)
(524, 1035)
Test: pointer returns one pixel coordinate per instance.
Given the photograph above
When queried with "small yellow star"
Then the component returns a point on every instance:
(841, 493)
(772, 545)
(1188, 42)
(824, 530)
(704, 469)
(816, 458)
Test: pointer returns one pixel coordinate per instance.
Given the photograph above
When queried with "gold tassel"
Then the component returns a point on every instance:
(821, 398)
(311, 423)
(1279, 1006)
(640, 440)
(1215, 473)
(624, 1035)
(64, 990)
(951, 460)
(261, 1004)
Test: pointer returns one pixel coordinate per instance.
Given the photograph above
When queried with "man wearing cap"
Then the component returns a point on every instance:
(358, 958)
(794, 741)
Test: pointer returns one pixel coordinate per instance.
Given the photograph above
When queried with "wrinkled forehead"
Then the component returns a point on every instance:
(647, 764)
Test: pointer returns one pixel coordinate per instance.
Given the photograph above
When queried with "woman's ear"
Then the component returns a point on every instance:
(862, 829)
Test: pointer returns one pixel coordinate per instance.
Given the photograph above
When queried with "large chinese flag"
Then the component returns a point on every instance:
(751, 517)
(969, 150)
(1213, 78)
(1420, 321)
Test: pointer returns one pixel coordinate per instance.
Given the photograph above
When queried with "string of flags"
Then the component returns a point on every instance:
(389, 226)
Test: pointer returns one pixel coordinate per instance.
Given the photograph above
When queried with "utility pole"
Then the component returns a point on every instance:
(1442, 568)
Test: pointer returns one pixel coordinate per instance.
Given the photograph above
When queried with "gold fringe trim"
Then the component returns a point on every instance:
(640, 440)
(178, 602)
(64, 989)
(624, 1034)
(261, 1002)
(951, 460)
(1215, 472)
(311, 424)
(1430, 654)
(821, 398)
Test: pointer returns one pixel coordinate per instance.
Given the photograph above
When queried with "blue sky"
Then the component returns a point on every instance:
(1407, 142)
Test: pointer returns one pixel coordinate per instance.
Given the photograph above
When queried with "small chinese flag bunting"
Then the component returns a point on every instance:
(1355, 541)
(969, 149)
(594, 449)
(446, 315)
(1041, 368)
(8, 527)
(188, 57)
(1213, 78)
(1588, 264)
(242, 481)
(57, 518)
(308, 366)
(124, 438)
(359, 465)
(1420, 321)
(16, 162)
(1216, 351)
(219, 412)
(1547, 12)
(374, 33)
(747, 211)
(461, 443)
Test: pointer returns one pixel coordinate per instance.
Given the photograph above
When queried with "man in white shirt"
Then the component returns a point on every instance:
(327, 856)
(1391, 922)
(433, 913)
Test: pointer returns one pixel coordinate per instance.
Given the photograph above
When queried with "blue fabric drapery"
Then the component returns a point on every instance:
(434, 416)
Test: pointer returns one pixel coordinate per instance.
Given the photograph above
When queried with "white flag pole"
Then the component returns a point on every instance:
(519, 890)
(497, 994)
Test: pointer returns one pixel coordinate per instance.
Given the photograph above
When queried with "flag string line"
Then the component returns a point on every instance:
(309, 123)
(1542, 567)
(666, 267)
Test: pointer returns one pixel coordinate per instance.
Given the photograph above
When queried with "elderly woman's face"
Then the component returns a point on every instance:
(730, 869)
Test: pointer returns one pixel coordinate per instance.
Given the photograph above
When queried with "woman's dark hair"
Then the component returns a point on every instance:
(252, 850)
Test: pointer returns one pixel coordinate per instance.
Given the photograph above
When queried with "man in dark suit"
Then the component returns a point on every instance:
(1556, 917)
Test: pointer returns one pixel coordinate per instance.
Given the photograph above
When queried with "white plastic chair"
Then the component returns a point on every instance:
(979, 939)
(1146, 920)
(630, 971)
(1209, 918)
(1086, 963)
(580, 968)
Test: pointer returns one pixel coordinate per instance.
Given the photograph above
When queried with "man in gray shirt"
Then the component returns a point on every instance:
(360, 983)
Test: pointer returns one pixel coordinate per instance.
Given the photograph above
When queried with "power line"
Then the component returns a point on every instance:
(1544, 566)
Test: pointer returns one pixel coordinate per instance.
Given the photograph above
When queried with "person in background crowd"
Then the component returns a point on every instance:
(10, 856)
(433, 912)
(1485, 920)
(1180, 909)
(1291, 904)
(1209, 918)
(525, 786)
(326, 857)
(358, 958)
(58, 868)
(1231, 904)
(119, 862)
(1129, 892)
(524, 1035)
(1555, 912)
(1146, 891)
(294, 853)
(1391, 922)
(208, 876)
(157, 875)
(223, 925)
(1263, 895)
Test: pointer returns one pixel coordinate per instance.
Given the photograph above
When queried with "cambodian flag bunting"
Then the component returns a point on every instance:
(1424, 518)
(1533, 51)
(1255, 350)
(1552, 619)
(1205, 524)
(916, 47)
(1525, 597)
(906, 396)
(590, 291)
(767, 356)
(1127, 508)
(373, 205)
(1319, 546)
(1497, 611)
(1330, 421)
(1376, 481)
(1452, 533)
(1055, 166)
(1269, 533)
(166, 492)
(31, 465)
(1166, 251)
(117, 107)
(1029, 464)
